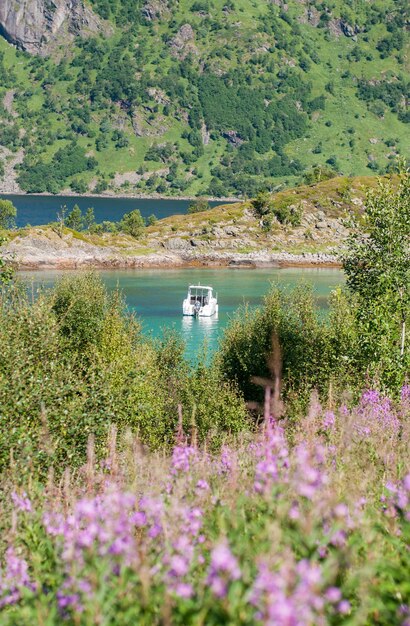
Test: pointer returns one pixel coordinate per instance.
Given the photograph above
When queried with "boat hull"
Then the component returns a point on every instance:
(206, 311)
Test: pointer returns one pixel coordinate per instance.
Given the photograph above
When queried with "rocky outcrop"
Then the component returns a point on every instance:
(155, 9)
(44, 249)
(183, 43)
(38, 25)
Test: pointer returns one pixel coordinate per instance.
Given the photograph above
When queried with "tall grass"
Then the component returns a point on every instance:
(266, 531)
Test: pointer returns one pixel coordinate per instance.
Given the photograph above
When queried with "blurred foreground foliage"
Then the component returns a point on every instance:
(73, 360)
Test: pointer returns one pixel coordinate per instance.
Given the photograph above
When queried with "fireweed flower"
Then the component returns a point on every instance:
(223, 569)
(329, 420)
(405, 402)
(184, 590)
(228, 462)
(398, 502)
(150, 515)
(178, 565)
(293, 594)
(13, 578)
(102, 525)
(375, 417)
(274, 459)
(22, 503)
(182, 458)
(405, 393)
(185, 523)
(308, 475)
(202, 486)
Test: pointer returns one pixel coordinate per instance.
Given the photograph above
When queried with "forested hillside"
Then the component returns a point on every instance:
(204, 97)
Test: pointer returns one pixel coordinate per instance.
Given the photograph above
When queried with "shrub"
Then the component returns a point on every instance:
(288, 214)
(133, 224)
(198, 206)
(265, 207)
(75, 219)
(8, 213)
(74, 362)
(316, 351)
(262, 203)
(80, 306)
(151, 220)
(376, 263)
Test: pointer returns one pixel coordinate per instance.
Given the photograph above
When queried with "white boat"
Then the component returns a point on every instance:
(200, 302)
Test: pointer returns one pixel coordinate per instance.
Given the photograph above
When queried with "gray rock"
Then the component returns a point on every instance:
(196, 242)
(348, 30)
(154, 9)
(233, 137)
(176, 243)
(232, 231)
(183, 42)
(35, 25)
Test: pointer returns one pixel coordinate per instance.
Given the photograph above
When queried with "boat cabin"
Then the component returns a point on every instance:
(200, 301)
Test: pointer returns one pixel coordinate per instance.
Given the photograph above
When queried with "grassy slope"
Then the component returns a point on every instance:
(349, 117)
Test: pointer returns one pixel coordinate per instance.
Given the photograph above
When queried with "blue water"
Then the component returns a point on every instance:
(36, 210)
(156, 295)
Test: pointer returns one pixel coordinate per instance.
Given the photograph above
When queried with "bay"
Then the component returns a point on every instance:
(156, 295)
(38, 209)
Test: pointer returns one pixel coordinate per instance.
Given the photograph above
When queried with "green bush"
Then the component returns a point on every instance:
(198, 206)
(75, 219)
(8, 213)
(80, 307)
(285, 213)
(317, 350)
(73, 362)
(133, 224)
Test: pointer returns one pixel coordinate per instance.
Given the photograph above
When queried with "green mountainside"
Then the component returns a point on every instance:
(219, 97)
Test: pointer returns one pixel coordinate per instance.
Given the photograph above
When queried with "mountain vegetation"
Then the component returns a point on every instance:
(210, 97)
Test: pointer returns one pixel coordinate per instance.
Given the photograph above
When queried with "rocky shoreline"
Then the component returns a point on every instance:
(49, 252)
(8, 187)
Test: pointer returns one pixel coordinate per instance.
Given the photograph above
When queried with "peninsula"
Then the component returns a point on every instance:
(237, 234)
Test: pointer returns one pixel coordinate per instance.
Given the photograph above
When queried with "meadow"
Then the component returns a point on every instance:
(270, 486)
(306, 525)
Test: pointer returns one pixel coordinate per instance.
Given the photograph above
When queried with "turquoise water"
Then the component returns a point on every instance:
(156, 295)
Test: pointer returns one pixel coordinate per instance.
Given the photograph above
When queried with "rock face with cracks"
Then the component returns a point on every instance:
(36, 25)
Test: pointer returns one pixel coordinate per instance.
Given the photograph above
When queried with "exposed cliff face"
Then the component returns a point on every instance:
(37, 25)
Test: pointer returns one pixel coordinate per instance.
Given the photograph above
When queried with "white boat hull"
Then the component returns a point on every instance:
(205, 311)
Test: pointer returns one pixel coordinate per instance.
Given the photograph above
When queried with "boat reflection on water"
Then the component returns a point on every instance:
(208, 327)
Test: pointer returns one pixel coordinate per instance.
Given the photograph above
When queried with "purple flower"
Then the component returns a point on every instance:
(405, 392)
(273, 452)
(398, 503)
(182, 457)
(292, 595)
(333, 594)
(375, 417)
(343, 607)
(223, 569)
(226, 462)
(308, 476)
(179, 566)
(184, 590)
(22, 503)
(202, 485)
(14, 578)
(329, 420)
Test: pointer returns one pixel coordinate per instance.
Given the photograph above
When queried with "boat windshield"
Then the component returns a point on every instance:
(200, 295)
